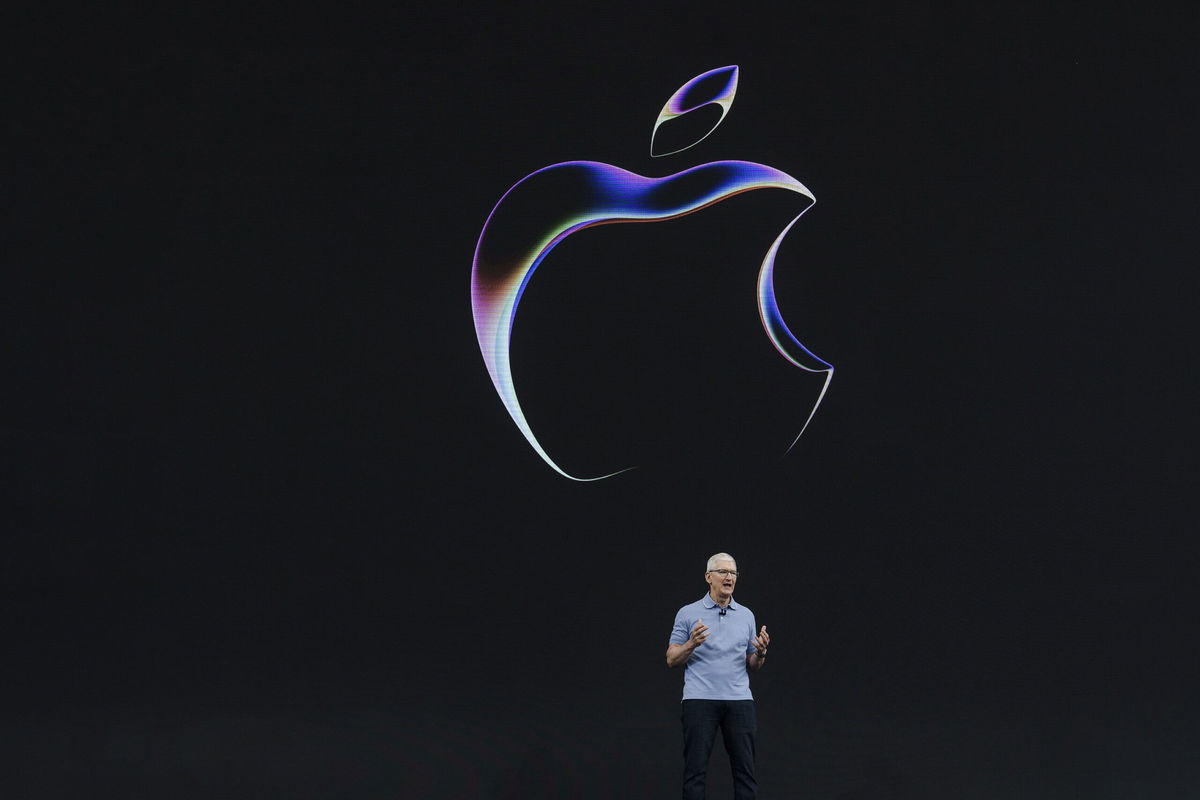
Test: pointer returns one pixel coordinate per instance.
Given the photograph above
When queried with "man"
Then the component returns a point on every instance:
(714, 640)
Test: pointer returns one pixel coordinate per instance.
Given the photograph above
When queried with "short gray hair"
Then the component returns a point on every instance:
(713, 559)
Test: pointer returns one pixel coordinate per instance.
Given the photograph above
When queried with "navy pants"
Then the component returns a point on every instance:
(739, 726)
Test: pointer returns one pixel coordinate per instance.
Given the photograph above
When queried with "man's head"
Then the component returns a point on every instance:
(721, 576)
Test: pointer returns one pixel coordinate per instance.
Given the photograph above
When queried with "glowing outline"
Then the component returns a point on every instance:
(620, 196)
(674, 106)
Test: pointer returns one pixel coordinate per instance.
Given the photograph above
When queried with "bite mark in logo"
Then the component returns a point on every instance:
(524, 227)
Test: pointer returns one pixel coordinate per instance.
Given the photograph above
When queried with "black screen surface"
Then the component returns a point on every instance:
(271, 531)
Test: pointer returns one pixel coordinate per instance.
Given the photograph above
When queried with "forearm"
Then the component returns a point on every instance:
(755, 662)
(678, 654)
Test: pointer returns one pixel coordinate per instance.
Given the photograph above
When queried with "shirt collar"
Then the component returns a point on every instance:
(710, 603)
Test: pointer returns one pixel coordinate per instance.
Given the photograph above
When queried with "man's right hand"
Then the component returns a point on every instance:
(678, 654)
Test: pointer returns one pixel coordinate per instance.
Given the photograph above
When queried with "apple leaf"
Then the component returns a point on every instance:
(712, 91)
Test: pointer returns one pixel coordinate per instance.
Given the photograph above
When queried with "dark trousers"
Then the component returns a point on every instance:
(739, 726)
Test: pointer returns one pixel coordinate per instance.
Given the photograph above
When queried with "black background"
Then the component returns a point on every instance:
(271, 533)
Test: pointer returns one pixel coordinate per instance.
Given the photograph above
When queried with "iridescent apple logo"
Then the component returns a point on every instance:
(548, 205)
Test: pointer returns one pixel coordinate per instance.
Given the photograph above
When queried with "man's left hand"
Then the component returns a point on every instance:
(761, 642)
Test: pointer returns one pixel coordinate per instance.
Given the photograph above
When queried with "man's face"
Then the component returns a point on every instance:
(721, 579)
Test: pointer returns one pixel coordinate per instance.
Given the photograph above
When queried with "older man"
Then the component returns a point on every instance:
(715, 641)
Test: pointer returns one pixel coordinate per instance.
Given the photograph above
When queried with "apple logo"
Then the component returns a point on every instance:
(545, 207)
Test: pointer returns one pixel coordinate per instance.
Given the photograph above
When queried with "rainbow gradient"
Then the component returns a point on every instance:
(523, 229)
(722, 83)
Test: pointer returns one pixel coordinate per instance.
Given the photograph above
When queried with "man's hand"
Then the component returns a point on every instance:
(755, 660)
(678, 654)
(761, 641)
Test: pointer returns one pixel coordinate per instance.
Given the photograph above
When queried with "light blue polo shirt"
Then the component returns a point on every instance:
(717, 668)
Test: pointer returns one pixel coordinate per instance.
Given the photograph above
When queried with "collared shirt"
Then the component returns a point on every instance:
(717, 668)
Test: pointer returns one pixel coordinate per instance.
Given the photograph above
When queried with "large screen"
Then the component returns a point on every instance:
(380, 381)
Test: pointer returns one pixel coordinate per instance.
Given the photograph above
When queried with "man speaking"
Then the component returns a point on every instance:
(714, 640)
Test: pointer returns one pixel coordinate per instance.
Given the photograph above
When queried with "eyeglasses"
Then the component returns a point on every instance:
(725, 573)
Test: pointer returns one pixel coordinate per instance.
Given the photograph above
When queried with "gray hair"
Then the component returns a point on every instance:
(713, 559)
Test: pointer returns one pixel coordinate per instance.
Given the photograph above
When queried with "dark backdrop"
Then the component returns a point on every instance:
(269, 531)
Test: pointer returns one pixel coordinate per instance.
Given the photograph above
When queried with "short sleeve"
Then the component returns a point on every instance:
(682, 630)
(750, 648)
